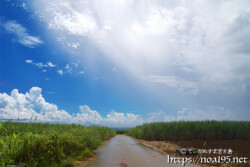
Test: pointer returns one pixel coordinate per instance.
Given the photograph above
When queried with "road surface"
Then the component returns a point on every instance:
(124, 151)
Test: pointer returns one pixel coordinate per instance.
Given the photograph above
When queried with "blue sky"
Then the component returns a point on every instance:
(123, 63)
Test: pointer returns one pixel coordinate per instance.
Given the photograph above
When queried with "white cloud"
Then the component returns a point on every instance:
(75, 23)
(211, 113)
(116, 119)
(214, 112)
(69, 68)
(88, 116)
(199, 42)
(81, 72)
(29, 61)
(24, 6)
(159, 117)
(187, 86)
(40, 64)
(33, 105)
(21, 35)
(73, 69)
(75, 64)
(49, 64)
(60, 72)
(74, 45)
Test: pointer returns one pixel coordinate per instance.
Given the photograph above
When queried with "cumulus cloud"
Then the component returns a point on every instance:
(115, 119)
(21, 35)
(89, 116)
(32, 105)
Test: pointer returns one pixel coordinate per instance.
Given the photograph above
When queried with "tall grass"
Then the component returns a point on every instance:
(120, 131)
(193, 130)
(42, 144)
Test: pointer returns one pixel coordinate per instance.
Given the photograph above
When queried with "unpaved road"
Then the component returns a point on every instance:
(124, 151)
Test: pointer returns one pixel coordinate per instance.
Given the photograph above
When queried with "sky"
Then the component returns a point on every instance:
(122, 63)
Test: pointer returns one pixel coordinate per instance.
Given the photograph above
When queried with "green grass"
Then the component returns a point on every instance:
(193, 130)
(42, 144)
(121, 131)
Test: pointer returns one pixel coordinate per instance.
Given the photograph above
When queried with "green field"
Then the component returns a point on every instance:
(193, 130)
(42, 144)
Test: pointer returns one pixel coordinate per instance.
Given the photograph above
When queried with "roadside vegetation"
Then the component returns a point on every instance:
(121, 131)
(192, 130)
(43, 144)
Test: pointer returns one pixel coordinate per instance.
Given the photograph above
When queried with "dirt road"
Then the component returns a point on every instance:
(124, 151)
